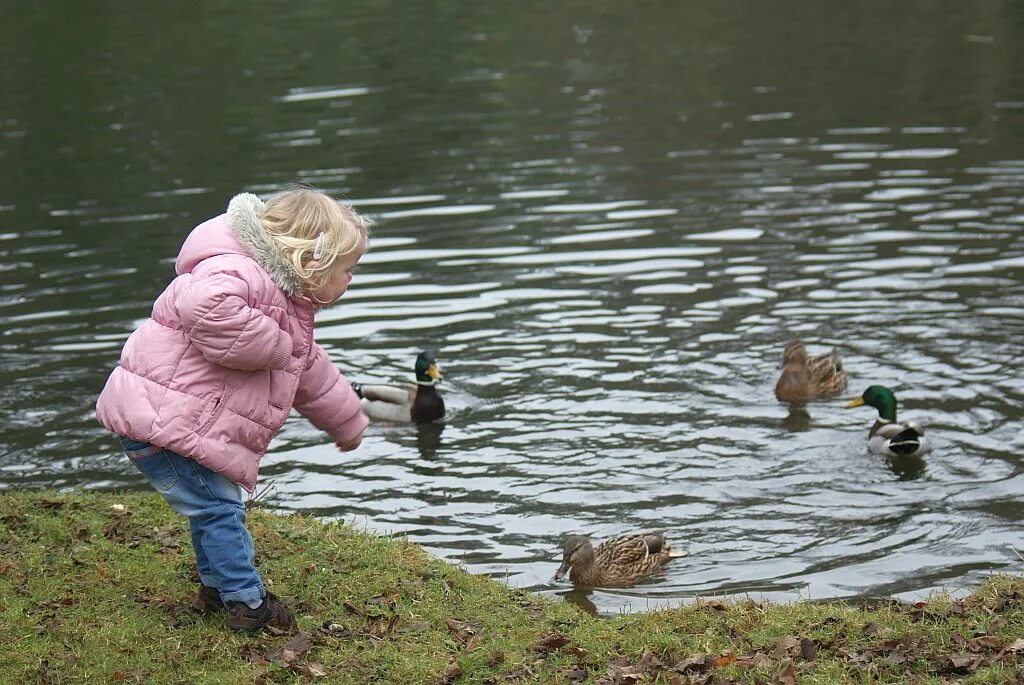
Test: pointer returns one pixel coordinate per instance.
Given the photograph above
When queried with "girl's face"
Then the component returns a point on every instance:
(341, 276)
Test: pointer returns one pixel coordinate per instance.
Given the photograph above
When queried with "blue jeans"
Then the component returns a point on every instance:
(216, 518)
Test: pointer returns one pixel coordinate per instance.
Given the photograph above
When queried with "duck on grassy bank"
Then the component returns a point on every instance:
(617, 562)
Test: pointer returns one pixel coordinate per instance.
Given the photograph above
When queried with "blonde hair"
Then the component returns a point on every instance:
(312, 231)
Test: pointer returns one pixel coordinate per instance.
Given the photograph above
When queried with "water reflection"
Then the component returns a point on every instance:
(428, 439)
(907, 468)
(581, 598)
(798, 419)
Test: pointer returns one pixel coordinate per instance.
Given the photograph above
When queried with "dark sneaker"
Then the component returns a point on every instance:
(271, 613)
(208, 599)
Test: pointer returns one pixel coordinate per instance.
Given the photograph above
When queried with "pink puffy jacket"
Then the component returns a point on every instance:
(226, 354)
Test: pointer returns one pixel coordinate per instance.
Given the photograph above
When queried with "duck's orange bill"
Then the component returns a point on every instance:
(855, 402)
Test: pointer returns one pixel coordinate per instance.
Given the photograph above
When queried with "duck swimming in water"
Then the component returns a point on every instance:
(405, 402)
(617, 562)
(806, 378)
(888, 436)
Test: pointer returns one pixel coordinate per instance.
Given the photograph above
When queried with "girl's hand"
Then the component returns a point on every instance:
(351, 444)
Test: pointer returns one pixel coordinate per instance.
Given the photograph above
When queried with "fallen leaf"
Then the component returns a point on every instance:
(551, 642)
(962, 664)
(463, 631)
(724, 659)
(1017, 646)
(787, 676)
(697, 664)
(785, 646)
(451, 672)
(985, 642)
(299, 644)
(390, 601)
(314, 670)
(576, 675)
(649, 662)
(254, 655)
(753, 660)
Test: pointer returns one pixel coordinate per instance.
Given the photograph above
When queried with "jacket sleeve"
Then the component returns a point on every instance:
(217, 318)
(326, 398)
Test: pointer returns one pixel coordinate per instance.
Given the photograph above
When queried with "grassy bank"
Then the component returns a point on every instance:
(97, 589)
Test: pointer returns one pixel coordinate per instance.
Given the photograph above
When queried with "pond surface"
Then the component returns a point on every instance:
(606, 220)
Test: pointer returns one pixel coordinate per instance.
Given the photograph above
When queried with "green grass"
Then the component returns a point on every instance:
(92, 595)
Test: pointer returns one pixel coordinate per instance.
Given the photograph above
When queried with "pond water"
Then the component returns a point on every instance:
(606, 220)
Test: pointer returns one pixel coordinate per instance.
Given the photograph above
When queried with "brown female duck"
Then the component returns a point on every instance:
(806, 378)
(617, 562)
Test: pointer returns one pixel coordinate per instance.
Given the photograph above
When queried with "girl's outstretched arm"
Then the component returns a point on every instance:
(327, 399)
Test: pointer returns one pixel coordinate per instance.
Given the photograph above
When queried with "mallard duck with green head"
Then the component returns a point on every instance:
(617, 562)
(806, 378)
(888, 436)
(406, 402)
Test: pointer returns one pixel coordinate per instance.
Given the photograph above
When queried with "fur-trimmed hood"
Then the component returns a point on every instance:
(239, 232)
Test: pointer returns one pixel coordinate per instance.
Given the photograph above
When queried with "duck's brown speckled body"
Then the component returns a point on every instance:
(806, 378)
(618, 562)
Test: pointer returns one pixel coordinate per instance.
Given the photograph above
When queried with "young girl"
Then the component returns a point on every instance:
(205, 383)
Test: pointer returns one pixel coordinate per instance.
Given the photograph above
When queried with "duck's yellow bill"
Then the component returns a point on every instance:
(855, 402)
(433, 372)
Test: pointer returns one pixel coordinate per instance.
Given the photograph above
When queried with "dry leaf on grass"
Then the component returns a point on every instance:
(451, 672)
(462, 631)
(787, 676)
(785, 646)
(550, 643)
